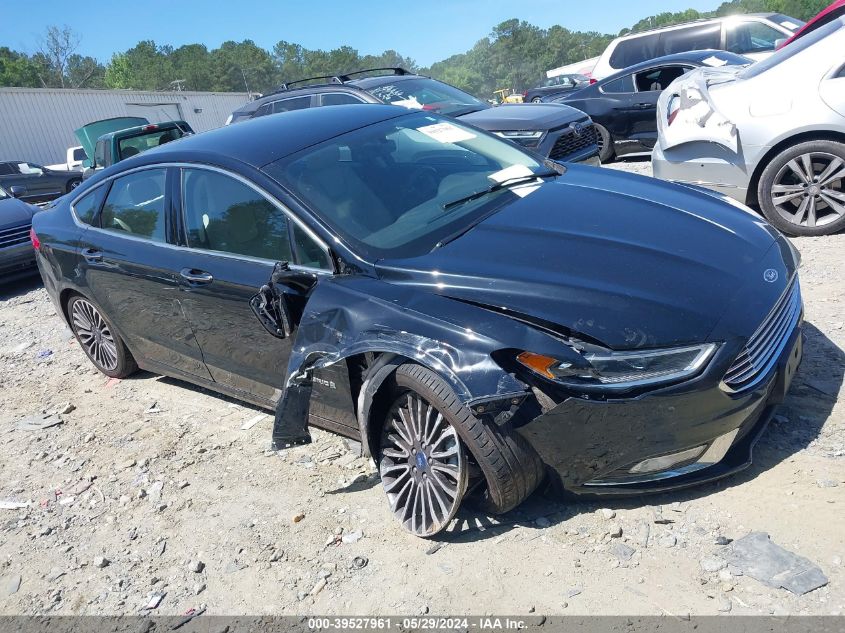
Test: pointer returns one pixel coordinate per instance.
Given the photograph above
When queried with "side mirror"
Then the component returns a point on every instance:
(780, 42)
(17, 191)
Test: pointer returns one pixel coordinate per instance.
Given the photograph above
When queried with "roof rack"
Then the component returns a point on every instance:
(396, 70)
(332, 79)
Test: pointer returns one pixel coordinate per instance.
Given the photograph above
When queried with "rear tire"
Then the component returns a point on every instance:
(605, 140)
(537, 100)
(802, 189)
(512, 469)
(98, 339)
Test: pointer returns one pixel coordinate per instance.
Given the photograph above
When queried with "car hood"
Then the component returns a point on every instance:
(524, 116)
(14, 212)
(623, 260)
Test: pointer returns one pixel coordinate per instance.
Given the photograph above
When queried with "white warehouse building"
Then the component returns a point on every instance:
(37, 124)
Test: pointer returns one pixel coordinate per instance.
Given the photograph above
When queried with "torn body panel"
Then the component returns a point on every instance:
(351, 315)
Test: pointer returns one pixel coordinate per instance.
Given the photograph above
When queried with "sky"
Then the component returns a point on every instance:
(427, 31)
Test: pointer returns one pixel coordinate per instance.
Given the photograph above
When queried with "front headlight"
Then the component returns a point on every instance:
(623, 370)
(528, 138)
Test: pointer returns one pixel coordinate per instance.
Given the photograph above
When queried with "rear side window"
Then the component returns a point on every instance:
(635, 50)
(224, 214)
(135, 205)
(141, 143)
(751, 37)
(87, 206)
(694, 38)
(621, 85)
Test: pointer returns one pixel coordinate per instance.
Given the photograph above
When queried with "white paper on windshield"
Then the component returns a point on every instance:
(410, 103)
(790, 25)
(714, 61)
(446, 133)
(516, 171)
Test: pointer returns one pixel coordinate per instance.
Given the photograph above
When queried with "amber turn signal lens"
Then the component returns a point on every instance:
(539, 363)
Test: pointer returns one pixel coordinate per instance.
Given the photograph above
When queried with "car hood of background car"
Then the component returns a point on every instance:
(626, 261)
(15, 212)
(524, 116)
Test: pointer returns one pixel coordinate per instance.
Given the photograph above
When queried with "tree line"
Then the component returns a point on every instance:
(515, 55)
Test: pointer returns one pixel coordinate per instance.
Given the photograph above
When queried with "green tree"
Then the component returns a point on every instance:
(242, 67)
(118, 73)
(17, 69)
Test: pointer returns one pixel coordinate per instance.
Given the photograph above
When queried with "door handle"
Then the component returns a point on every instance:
(196, 277)
(643, 106)
(92, 255)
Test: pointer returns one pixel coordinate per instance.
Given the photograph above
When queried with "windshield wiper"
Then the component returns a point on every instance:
(508, 182)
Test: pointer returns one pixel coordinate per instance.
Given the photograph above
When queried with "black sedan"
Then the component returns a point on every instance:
(554, 87)
(17, 257)
(35, 183)
(475, 317)
(623, 106)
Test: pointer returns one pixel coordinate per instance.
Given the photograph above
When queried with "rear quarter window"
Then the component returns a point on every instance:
(87, 208)
(617, 86)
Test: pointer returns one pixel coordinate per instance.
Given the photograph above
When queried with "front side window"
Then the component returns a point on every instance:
(87, 206)
(79, 154)
(751, 37)
(790, 50)
(338, 98)
(658, 79)
(135, 205)
(294, 103)
(399, 187)
(427, 94)
(223, 214)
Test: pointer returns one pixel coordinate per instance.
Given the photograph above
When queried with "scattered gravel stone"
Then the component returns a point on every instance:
(712, 564)
(642, 534)
(622, 551)
(298, 517)
(668, 540)
(101, 561)
(607, 513)
(196, 566)
(321, 584)
(352, 537)
(722, 540)
(574, 592)
(827, 483)
(199, 588)
(9, 585)
(67, 408)
(724, 604)
(615, 530)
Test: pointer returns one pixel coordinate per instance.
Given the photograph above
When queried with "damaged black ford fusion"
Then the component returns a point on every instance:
(479, 319)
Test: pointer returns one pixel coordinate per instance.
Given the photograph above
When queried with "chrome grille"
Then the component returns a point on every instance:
(569, 142)
(765, 345)
(14, 236)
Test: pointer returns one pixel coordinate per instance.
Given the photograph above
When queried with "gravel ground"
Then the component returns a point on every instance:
(151, 487)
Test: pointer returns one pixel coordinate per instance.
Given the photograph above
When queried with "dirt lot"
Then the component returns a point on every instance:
(151, 486)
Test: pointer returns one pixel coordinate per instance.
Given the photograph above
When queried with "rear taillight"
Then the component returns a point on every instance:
(593, 81)
(672, 109)
(524, 94)
(36, 243)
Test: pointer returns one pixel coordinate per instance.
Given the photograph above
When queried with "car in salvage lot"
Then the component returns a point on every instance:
(623, 106)
(34, 183)
(559, 132)
(477, 317)
(17, 257)
(771, 135)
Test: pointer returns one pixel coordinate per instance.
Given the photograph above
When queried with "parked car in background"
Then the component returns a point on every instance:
(476, 317)
(116, 141)
(562, 134)
(771, 135)
(555, 86)
(623, 107)
(755, 35)
(830, 13)
(17, 257)
(76, 156)
(35, 183)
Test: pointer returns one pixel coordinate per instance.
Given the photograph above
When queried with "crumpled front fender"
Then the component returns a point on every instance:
(350, 315)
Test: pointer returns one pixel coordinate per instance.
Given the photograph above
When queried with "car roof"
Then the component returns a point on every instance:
(695, 57)
(153, 127)
(681, 25)
(263, 140)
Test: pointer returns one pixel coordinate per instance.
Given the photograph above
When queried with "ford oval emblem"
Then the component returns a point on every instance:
(770, 275)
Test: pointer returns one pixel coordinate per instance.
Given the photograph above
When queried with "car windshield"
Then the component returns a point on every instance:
(427, 94)
(792, 49)
(401, 187)
(147, 140)
(793, 24)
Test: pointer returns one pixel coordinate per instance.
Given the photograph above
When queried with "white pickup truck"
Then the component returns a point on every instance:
(75, 156)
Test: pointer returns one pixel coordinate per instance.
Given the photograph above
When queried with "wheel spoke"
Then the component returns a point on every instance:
(838, 206)
(789, 192)
(828, 175)
(798, 171)
(811, 212)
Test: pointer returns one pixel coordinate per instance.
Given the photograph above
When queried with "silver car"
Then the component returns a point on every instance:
(770, 135)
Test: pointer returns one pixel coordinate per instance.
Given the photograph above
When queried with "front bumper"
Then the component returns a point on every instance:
(706, 165)
(590, 446)
(16, 262)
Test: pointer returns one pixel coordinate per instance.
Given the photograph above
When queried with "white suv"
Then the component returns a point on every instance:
(755, 35)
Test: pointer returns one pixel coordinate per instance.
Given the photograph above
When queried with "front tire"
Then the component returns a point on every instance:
(73, 184)
(537, 100)
(605, 141)
(98, 339)
(511, 468)
(802, 189)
